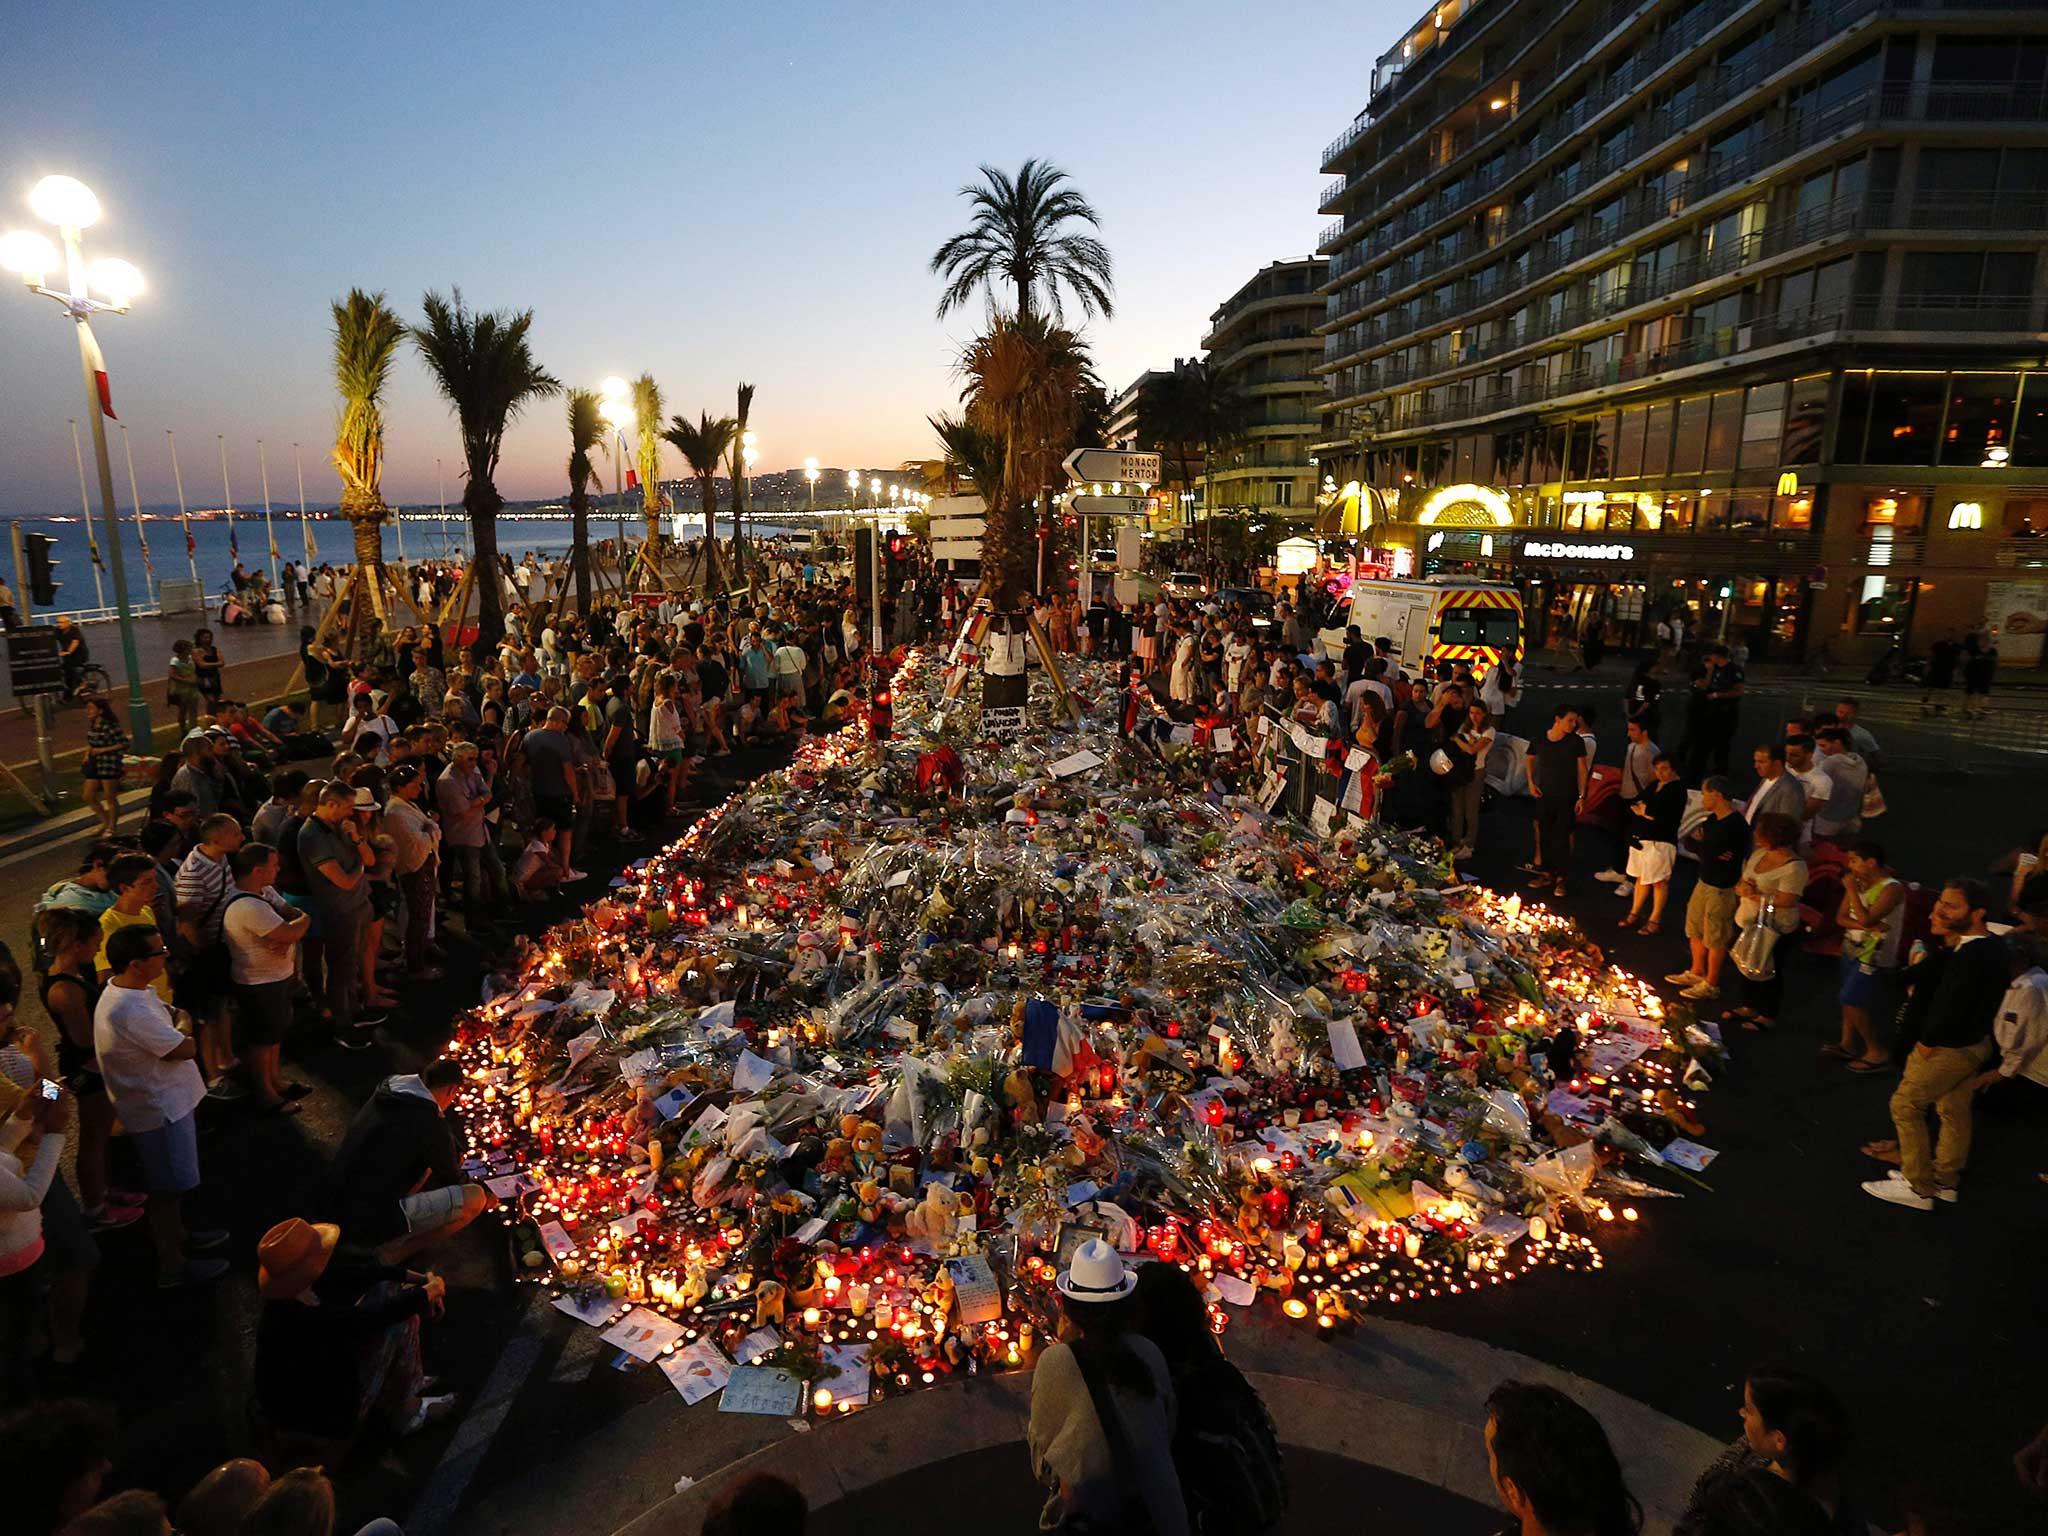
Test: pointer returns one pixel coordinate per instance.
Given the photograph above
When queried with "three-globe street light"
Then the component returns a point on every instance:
(615, 406)
(70, 206)
(811, 473)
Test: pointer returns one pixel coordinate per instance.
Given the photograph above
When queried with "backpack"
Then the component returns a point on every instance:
(1227, 1454)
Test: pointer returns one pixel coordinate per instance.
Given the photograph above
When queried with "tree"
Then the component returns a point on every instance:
(484, 365)
(737, 471)
(586, 431)
(1023, 379)
(1020, 239)
(366, 336)
(1191, 409)
(973, 456)
(647, 407)
(701, 446)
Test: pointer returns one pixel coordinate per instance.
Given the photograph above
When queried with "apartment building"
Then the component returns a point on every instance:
(1735, 308)
(1263, 344)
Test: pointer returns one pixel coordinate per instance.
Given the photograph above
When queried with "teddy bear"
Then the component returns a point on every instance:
(867, 1144)
(696, 1282)
(769, 1301)
(933, 1219)
(978, 1163)
(1022, 1098)
(870, 1198)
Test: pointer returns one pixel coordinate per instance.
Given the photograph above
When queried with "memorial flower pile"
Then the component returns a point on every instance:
(832, 1084)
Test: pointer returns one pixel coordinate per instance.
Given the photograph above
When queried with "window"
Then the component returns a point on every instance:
(1690, 446)
(1855, 417)
(1621, 515)
(1725, 430)
(1980, 412)
(1281, 494)
(1763, 423)
(1579, 451)
(1900, 511)
(1657, 438)
(1603, 448)
(1792, 511)
(1905, 415)
(1628, 444)
(1713, 512)
(1805, 419)
(1748, 512)
(2030, 433)
(1945, 172)
(1678, 511)
(2026, 517)
(1881, 607)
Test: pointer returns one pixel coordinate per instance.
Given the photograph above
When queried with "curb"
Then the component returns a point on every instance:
(37, 839)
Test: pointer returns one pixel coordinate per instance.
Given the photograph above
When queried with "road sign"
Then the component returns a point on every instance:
(1108, 466)
(1106, 506)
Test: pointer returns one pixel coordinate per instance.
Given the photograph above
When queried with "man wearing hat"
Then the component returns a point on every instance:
(330, 1336)
(1112, 1476)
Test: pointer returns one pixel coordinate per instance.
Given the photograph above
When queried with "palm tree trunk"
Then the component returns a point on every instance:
(579, 549)
(713, 581)
(482, 501)
(1023, 298)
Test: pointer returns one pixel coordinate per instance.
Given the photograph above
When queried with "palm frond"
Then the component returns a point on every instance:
(1018, 234)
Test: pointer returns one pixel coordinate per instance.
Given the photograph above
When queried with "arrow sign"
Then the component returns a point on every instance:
(1106, 506)
(1109, 465)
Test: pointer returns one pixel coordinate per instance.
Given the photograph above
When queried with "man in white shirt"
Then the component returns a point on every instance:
(154, 1082)
(1842, 815)
(262, 933)
(1799, 764)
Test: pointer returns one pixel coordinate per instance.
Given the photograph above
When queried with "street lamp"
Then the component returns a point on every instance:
(875, 492)
(71, 206)
(811, 484)
(614, 406)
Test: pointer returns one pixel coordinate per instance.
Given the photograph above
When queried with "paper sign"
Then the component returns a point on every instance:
(761, 1342)
(1324, 812)
(976, 1297)
(592, 1307)
(822, 863)
(1356, 759)
(1223, 740)
(763, 1389)
(1238, 1293)
(643, 1333)
(1344, 1047)
(1076, 762)
(673, 1103)
(697, 1371)
(810, 1231)
(751, 1074)
(583, 1045)
(556, 1236)
(1690, 1155)
(1081, 1193)
(898, 880)
(855, 1378)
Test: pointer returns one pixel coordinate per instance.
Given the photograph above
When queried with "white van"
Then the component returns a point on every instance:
(1438, 618)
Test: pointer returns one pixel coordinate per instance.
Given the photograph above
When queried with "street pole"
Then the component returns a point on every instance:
(184, 517)
(99, 591)
(139, 729)
(27, 610)
(135, 501)
(269, 527)
(305, 528)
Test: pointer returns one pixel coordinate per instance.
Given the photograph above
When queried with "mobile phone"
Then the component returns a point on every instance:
(50, 1090)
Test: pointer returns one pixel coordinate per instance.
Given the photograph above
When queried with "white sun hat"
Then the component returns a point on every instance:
(1097, 1273)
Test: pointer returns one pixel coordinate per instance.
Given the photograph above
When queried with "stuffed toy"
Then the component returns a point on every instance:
(934, 1219)
(768, 1303)
(867, 1145)
(1022, 1098)
(870, 1196)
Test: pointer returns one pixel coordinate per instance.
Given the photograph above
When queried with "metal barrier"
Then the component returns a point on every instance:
(2004, 739)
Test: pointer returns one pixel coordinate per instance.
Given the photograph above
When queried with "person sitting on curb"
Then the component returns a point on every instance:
(397, 1180)
(1553, 1465)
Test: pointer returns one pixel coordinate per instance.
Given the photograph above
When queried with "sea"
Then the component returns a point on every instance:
(321, 538)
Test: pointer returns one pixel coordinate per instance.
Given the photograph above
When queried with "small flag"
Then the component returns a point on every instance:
(632, 479)
(99, 371)
(234, 544)
(191, 544)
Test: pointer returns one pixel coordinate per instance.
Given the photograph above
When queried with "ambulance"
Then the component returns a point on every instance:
(1437, 618)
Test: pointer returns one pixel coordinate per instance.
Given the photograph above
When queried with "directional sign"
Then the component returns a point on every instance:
(1108, 466)
(1106, 506)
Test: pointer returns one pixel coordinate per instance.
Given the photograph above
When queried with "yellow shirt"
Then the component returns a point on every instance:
(112, 921)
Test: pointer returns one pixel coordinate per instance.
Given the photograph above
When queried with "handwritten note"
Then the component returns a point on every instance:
(643, 1334)
(762, 1389)
(976, 1296)
(751, 1074)
(1345, 1050)
(697, 1371)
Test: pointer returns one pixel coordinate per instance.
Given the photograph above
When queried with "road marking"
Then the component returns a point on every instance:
(449, 1481)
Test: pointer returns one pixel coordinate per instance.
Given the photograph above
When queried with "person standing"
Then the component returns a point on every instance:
(152, 1075)
(1773, 880)
(1719, 844)
(1644, 699)
(10, 618)
(415, 866)
(1558, 771)
(262, 933)
(103, 768)
(1949, 1017)
(1847, 774)
(336, 863)
(550, 760)
(1653, 844)
(1872, 916)
(1468, 746)
(1980, 663)
(1638, 763)
(1553, 1466)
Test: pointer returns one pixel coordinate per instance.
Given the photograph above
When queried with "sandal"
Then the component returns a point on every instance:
(1626, 920)
(1837, 1052)
(1866, 1069)
(1757, 1024)
(1652, 926)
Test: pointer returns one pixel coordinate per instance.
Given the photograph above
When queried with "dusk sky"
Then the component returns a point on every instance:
(712, 193)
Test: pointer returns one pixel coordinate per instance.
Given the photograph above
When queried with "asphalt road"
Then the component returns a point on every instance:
(1917, 1319)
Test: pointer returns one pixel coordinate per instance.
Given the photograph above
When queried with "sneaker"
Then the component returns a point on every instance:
(1898, 1192)
(1684, 979)
(1626, 889)
(1610, 877)
(225, 1089)
(1946, 1196)
(111, 1217)
(355, 1039)
(195, 1272)
(574, 875)
(429, 1411)
(209, 1237)
(369, 1019)
(1701, 992)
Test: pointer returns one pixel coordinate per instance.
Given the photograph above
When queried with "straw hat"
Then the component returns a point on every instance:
(1097, 1273)
(292, 1255)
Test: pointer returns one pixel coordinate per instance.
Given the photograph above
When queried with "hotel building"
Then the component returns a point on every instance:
(1735, 308)
(1263, 345)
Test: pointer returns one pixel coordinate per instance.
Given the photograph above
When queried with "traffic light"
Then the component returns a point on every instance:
(42, 578)
(863, 566)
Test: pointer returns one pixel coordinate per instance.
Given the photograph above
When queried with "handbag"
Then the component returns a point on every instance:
(1873, 799)
(1755, 951)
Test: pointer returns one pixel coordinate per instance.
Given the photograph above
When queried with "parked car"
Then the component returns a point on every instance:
(1257, 605)
(1184, 584)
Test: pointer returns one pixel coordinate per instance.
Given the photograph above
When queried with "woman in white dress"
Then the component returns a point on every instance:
(1181, 684)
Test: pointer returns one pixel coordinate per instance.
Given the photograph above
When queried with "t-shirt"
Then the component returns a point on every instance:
(319, 844)
(251, 915)
(1846, 775)
(1467, 765)
(548, 757)
(112, 921)
(131, 1032)
(1555, 765)
(711, 678)
(1643, 694)
(1720, 678)
(1720, 843)
(617, 712)
(535, 856)
(203, 887)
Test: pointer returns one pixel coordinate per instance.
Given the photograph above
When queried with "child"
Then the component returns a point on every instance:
(537, 873)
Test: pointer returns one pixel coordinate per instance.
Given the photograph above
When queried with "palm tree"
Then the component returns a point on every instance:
(701, 447)
(484, 365)
(1191, 410)
(1019, 239)
(737, 471)
(1023, 380)
(586, 431)
(973, 456)
(647, 454)
(366, 337)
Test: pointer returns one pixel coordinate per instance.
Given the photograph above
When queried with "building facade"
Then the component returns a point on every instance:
(1732, 308)
(1263, 343)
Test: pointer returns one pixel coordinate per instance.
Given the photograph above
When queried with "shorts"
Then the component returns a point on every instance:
(263, 1011)
(1860, 988)
(67, 1240)
(559, 809)
(169, 1155)
(432, 1209)
(203, 981)
(383, 899)
(1652, 863)
(1710, 915)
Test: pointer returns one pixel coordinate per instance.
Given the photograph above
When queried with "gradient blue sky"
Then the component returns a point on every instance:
(712, 193)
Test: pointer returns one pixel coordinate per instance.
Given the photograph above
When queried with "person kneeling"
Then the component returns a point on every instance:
(397, 1180)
